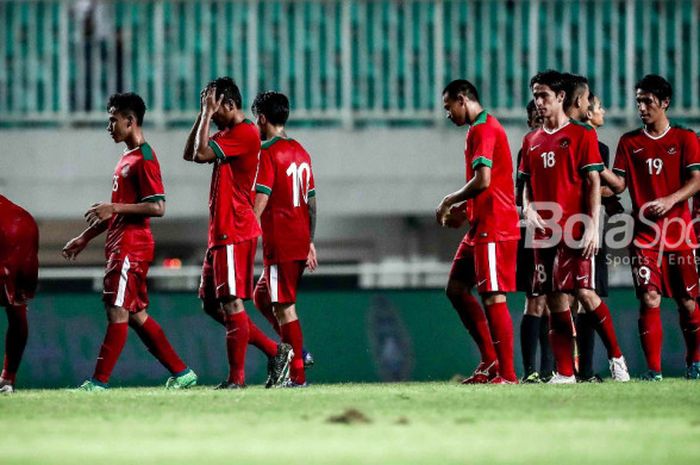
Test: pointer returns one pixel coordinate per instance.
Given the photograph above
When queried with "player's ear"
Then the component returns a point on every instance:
(665, 103)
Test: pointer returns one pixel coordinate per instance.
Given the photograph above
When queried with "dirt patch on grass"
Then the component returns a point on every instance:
(350, 416)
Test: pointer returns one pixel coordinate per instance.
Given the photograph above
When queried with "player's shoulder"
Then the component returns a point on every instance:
(245, 129)
(683, 131)
(272, 144)
(532, 135)
(147, 152)
(630, 135)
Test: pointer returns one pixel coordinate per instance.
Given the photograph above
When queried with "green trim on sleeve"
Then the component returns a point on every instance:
(263, 189)
(693, 167)
(593, 167)
(217, 150)
(482, 161)
(146, 151)
(620, 172)
(312, 193)
(154, 198)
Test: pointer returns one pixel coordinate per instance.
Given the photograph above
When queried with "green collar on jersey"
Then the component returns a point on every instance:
(579, 123)
(269, 143)
(481, 118)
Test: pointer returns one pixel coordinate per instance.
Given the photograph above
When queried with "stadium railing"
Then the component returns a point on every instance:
(343, 62)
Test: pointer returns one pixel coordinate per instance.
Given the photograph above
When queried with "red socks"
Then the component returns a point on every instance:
(291, 334)
(260, 340)
(157, 343)
(501, 327)
(561, 337)
(15, 341)
(114, 341)
(237, 335)
(474, 319)
(606, 331)
(690, 324)
(651, 334)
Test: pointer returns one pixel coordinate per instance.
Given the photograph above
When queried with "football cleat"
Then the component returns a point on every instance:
(502, 380)
(91, 385)
(532, 378)
(278, 366)
(184, 381)
(591, 379)
(561, 379)
(226, 385)
(291, 384)
(6, 387)
(618, 369)
(483, 373)
(651, 375)
(308, 359)
(693, 371)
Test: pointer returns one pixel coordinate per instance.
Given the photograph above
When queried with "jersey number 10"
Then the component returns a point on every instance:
(300, 182)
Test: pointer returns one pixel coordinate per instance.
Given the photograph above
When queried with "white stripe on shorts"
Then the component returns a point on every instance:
(493, 276)
(274, 284)
(231, 268)
(593, 272)
(123, 279)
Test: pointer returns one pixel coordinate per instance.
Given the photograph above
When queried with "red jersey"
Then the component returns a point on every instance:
(136, 179)
(556, 164)
(655, 167)
(492, 213)
(285, 175)
(231, 217)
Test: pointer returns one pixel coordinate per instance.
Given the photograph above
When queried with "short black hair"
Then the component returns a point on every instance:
(550, 78)
(274, 105)
(657, 85)
(573, 84)
(128, 103)
(531, 110)
(227, 87)
(461, 86)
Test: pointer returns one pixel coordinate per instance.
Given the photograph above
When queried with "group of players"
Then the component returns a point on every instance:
(257, 188)
(563, 180)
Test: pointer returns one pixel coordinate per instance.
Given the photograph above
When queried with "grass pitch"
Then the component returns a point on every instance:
(411, 423)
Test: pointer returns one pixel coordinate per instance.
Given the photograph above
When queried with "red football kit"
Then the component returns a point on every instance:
(233, 228)
(488, 253)
(19, 245)
(285, 174)
(129, 245)
(663, 248)
(556, 163)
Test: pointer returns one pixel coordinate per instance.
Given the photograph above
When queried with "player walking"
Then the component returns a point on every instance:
(227, 272)
(486, 257)
(137, 195)
(19, 267)
(285, 203)
(660, 163)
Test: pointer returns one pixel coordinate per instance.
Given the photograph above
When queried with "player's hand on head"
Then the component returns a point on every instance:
(211, 103)
(311, 260)
(98, 213)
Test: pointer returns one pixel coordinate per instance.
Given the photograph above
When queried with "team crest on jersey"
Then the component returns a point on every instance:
(125, 171)
(672, 150)
(564, 143)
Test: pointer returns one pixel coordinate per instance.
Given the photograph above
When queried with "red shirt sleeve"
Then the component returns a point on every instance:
(524, 166)
(483, 140)
(691, 151)
(589, 153)
(150, 181)
(266, 174)
(239, 140)
(620, 164)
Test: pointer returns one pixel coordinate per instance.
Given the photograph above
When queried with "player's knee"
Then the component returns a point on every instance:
(233, 306)
(588, 298)
(117, 315)
(136, 320)
(535, 306)
(686, 305)
(651, 299)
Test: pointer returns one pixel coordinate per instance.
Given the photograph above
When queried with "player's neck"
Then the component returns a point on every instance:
(554, 122)
(277, 131)
(657, 128)
(134, 140)
(237, 118)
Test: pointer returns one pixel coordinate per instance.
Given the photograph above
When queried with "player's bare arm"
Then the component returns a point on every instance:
(76, 245)
(662, 205)
(260, 203)
(202, 153)
(477, 184)
(102, 211)
(591, 234)
(188, 154)
(532, 218)
(312, 260)
(615, 183)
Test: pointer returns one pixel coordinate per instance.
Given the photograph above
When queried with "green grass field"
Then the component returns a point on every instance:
(411, 423)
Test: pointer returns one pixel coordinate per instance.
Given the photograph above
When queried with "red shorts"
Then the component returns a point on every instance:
(280, 281)
(228, 271)
(490, 266)
(125, 284)
(562, 269)
(675, 276)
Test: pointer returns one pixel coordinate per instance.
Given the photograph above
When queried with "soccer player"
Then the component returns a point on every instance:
(227, 272)
(534, 327)
(137, 195)
(19, 267)
(660, 164)
(285, 203)
(566, 151)
(486, 257)
(576, 106)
